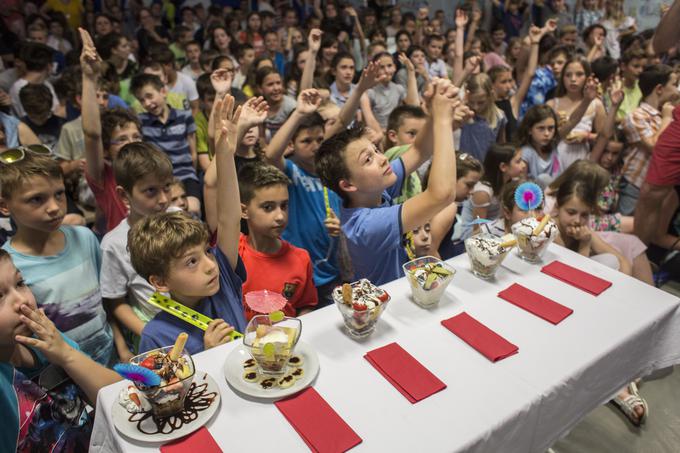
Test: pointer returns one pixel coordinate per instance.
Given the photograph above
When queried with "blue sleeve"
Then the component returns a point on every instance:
(147, 342)
(376, 229)
(398, 168)
(191, 124)
(231, 290)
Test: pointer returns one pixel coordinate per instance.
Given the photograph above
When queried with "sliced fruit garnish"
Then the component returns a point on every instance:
(269, 350)
(276, 316)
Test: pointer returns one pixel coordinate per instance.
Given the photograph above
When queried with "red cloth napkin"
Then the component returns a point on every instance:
(575, 277)
(404, 372)
(534, 303)
(317, 423)
(200, 440)
(484, 340)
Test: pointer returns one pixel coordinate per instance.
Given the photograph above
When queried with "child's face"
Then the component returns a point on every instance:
(272, 88)
(178, 197)
(573, 213)
(121, 136)
(478, 101)
(497, 37)
(404, 42)
(329, 52)
(574, 78)
(296, 37)
(670, 90)
(557, 64)
(369, 170)
(221, 39)
(39, 204)
(307, 143)
(595, 34)
(387, 69)
(193, 53)
(632, 70)
(39, 118)
(150, 195)
(102, 26)
(152, 99)
(267, 212)
(13, 294)
(344, 71)
(434, 49)
(422, 240)
(290, 19)
(254, 23)
(271, 42)
(611, 154)
(569, 39)
(513, 7)
(543, 132)
(247, 58)
(184, 37)
(302, 60)
(122, 50)
(515, 168)
(192, 276)
(251, 137)
(406, 134)
(503, 84)
(515, 49)
(465, 185)
(418, 58)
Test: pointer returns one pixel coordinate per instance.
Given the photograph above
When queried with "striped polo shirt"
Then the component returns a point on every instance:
(171, 138)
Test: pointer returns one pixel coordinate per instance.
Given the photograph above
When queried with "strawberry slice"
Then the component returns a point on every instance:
(359, 306)
(149, 363)
(383, 296)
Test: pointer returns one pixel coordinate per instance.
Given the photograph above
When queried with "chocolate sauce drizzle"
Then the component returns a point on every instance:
(197, 400)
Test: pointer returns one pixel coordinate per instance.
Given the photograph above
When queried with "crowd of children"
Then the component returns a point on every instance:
(208, 152)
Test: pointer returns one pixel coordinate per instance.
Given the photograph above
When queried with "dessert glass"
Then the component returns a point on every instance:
(271, 343)
(486, 254)
(530, 247)
(359, 323)
(428, 277)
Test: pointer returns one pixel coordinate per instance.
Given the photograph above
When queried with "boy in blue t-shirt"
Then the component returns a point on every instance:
(44, 410)
(171, 251)
(52, 256)
(352, 166)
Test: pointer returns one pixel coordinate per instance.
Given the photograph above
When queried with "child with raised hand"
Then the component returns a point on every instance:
(270, 87)
(31, 347)
(350, 164)
(488, 124)
(172, 252)
(537, 138)
(503, 163)
(387, 95)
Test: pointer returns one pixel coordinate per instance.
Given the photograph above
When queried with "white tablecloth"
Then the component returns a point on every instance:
(520, 404)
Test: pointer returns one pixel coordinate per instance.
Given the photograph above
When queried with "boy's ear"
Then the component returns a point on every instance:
(244, 211)
(4, 208)
(123, 195)
(392, 136)
(346, 186)
(159, 283)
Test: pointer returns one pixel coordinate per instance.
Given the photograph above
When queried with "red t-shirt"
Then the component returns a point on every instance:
(108, 201)
(288, 271)
(664, 166)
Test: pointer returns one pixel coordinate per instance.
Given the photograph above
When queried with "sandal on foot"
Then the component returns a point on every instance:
(633, 390)
(628, 405)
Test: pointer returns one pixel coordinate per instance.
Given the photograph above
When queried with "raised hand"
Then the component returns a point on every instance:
(535, 34)
(90, 61)
(406, 62)
(369, 77)
(590, 90)
(550, 26)
(461, 115)
(253, 112)
(472, 63)
(225, 120)
(444, 99)
(221, 81)
(599, 41)
(461, 18)
(616, 94)
(314, 40)
(308, 101)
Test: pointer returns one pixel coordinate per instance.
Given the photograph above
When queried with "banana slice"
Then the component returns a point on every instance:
(296, 361)
(268, 383)
(251, 376)
(286, 381)
(250, 363)
(298, 373)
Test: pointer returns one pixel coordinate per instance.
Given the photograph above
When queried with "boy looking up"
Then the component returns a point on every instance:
(173, 131)
(171, 251)
(52, 256)
(350, 164)
(274, 264)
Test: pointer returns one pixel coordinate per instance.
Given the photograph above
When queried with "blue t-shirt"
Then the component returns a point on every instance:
(541, 84)
(374, 235)
(306, 214)
(226, 304)
(40, 419)
(66, 286)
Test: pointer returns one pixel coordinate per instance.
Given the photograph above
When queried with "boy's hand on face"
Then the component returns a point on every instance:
(616, 94)
(308, 101)
(253, 113)
(472, 63)
(47, 338)
(221, 81)
(332, 224)
(217, 333)
(90, 62)
(369, 77)
(314, 40)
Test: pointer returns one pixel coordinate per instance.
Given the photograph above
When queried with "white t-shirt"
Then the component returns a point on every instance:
(118, 278)
(16, 102)
(186, 86)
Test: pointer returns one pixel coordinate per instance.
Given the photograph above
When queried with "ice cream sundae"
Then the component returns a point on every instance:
(534, 236)
(429, 278)
(271, 339)
(361, 304)
(487, 252)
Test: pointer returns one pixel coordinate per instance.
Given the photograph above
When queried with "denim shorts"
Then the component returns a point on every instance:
(628, 197)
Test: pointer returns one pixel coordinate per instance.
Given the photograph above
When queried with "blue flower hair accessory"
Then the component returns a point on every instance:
(528, 196)
(137, 374)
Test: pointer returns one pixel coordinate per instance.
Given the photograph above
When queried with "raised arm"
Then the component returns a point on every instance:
(535, 36)
(351, 12)
(667, 33)
(458, 60)
(313, 44)
(589, 94)
(474, 25)
(90, 63)
(412, 96)
(307, 102)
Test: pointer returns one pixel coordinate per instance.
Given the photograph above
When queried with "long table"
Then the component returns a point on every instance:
(520, 404)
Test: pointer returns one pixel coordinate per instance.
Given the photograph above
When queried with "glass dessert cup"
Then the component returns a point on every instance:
(168, 398)
(360, 323)
(428, 277)
(271, 343)
(531, 247)
(486, 254)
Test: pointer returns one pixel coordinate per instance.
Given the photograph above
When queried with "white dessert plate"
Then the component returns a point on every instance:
(130, 429)
(233, 372)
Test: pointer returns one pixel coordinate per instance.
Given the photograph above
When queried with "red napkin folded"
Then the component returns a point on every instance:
(534, 303)
(317, 423)
(484, 340)
(575, 277)
(200, 440)
(404, 372)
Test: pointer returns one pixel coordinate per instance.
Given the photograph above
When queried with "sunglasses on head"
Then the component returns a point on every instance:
(12, 155)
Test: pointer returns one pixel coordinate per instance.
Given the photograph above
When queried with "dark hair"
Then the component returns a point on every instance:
(242, 49)
(207, 56)
(36, 56)
(584, 179)
(507, 195)
(495, 156)
(379, 55)
(651, 77)
(36, 98)
(400, 113)
(534, 115)
(108, 42)
(403, 32)
(561, 89)
(137, 160)
(377, 31)
(589, 30)
(466, 163)
(339, 57)
(408, 16)
(561, 49)
(162, 54)
(632, 54)
(262, 74)
(218, 61)
(204, 86)
(309, 122)
(415, 48)
(604, 67)
(12, 176)
(139, 81)
(113, 118)
(255, 176)
(330, 159)
(434, 37)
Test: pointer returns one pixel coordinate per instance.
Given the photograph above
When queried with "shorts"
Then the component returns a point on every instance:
(628, 197)
(664, 166)
(193, 188)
